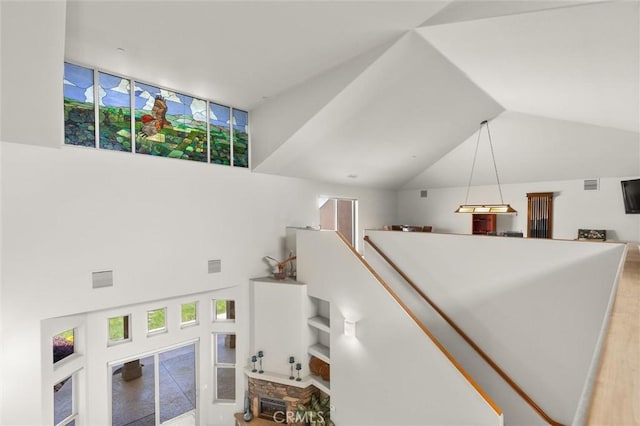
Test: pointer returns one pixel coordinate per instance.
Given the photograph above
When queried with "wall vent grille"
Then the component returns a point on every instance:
(215, 266)
(591, 184)
(102, 279)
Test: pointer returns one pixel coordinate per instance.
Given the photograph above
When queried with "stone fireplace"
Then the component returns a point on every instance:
(272, 400)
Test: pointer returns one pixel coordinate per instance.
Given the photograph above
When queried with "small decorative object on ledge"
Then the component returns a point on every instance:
(592, 234)
(254, 359)
(291, 361)
(280, 273)
(298, 367)
(260, 355)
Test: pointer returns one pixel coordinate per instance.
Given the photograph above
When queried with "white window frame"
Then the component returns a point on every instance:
(193, 322)
(129, 337)
(156, 331)
(216, 365)
(74, 400)
(214, 311)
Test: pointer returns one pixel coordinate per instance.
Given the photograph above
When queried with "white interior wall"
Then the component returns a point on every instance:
(391, 372)
(280, 311)
(1, 281)
(536, 307)
(573, 208)
(155, 222)
(32, 72)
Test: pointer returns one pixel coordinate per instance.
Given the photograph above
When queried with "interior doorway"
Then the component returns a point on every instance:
(339, 214)
(155, 389)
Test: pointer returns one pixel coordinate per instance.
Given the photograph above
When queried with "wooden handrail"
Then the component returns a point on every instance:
(421, 325)
(466, 338)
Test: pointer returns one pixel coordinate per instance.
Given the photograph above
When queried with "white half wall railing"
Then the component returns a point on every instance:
(538, 308)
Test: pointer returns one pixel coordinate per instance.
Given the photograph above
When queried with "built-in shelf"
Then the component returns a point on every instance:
(321, 323)
(320, 351)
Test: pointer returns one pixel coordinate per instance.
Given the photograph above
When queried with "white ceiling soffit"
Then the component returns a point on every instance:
(535, 149)
(467, 10)
(403, 113)
(232, 52)
(577, 63)
(275, 120)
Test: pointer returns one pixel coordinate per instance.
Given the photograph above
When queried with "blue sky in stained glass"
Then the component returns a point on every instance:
(240, 120)
(113, 91)
(78, 83)
(177, 104)
(219, 114)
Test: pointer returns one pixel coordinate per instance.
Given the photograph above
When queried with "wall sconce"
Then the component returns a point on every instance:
(349, 328)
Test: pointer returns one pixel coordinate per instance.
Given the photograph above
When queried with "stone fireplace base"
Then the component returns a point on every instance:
(291, 395)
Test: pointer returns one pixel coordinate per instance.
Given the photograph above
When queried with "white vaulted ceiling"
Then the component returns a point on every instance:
(393, 92)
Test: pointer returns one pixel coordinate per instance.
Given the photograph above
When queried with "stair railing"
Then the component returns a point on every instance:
(421, 325)
(466, 338)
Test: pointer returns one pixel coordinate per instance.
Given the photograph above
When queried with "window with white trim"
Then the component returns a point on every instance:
(189, 314)
(64, 402)
(119, 329)
(157, 321)
(224, 370)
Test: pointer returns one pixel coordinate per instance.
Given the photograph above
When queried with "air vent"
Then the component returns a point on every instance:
(102, 279)
(215, 266)
(423, 193)
(591, 184)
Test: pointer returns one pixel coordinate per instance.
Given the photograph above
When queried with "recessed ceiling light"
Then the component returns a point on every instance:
(352, 176)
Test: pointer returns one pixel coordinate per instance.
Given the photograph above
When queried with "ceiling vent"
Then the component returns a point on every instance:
(423, 193)
(215, 266)
(591, 184)
(102, 279)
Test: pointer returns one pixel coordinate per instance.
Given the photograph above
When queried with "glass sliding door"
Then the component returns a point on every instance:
(157, 388)
(133, 392)
(177, 382)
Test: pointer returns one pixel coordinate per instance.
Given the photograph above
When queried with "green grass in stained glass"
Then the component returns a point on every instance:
(170, 124)
(114, 112)
(79, 115)
(220, 134)
(240, 138)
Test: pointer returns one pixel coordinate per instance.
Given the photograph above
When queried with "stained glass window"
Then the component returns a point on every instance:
(79, 115)
(114, 94)
(240, 138)
(220, 133)
(169, 124)
(166, 123)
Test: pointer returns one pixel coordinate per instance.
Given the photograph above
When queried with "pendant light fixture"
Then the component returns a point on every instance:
(485, 208)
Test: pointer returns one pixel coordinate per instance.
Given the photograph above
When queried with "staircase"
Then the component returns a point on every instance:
(535, 312)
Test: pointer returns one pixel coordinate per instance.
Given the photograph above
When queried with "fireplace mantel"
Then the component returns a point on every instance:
(282, 379)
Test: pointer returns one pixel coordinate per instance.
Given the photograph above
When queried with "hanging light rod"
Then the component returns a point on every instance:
(492, 208)
(488, 208)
